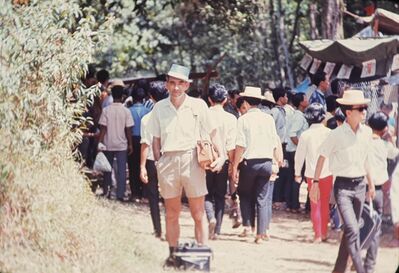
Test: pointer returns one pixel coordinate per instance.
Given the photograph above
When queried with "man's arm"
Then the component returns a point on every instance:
(239, 151)
(143, 159)
(103, 130)
(217, 165)
(128, 133)
(314, 193)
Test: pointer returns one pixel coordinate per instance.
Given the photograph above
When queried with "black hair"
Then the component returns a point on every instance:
(332, 123)
(334, 86)
(217, 93)
(378, 121)
(318, 78)
(297, 99)
(102, 75)
(278, 93)
(331, 102)
(239, 102)
(315, 113)
(233, 92)
(340, 113)
(158, 91)
(117, 92)
(138, 94)
(252, 101)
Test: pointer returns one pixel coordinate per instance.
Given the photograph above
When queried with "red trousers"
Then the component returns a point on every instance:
(320, 211)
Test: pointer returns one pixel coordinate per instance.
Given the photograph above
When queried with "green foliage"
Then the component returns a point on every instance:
(49, 220)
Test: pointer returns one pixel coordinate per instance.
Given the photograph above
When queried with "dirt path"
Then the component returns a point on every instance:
(289, 250)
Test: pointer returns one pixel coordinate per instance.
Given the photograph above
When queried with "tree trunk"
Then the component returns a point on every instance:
(283, 43)
(277, 71)
(314, 32)
(332, 24)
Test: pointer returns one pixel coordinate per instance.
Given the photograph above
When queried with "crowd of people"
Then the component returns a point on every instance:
(267, 143)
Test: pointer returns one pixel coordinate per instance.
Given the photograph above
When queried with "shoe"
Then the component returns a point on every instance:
(211, 228)
(236, 223)
(258, 239)
(266, 237)
(170, 262)
(244, 233)
(317, 240)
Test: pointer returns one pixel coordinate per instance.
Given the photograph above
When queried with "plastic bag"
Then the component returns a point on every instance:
(101, 163)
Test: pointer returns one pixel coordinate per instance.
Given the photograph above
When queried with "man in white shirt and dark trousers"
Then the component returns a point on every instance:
(295, 127)
(380, 151)
(148, 171)
(256, 143)
(217, 182)
(175, 125)
(348, 148)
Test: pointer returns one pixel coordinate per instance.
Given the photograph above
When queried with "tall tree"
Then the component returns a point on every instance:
(332, 23)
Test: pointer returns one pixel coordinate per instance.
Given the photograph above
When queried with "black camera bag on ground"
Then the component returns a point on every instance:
(190, 256)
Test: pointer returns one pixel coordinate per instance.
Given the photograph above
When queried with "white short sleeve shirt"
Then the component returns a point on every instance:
(179, 129)
(146, 137)
(348, 151)
(227, 127)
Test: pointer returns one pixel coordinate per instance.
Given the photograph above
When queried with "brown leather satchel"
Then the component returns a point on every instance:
(206, 153)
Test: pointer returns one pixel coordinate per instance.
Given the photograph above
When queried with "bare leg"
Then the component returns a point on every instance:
(197, 213)
(173, 208)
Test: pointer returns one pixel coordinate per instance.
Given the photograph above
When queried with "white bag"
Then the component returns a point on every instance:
(101, 163)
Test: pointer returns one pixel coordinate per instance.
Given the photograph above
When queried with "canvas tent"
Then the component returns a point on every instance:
(382, 20)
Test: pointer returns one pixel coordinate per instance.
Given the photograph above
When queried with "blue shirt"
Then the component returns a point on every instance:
(138, 110)
(318, 96)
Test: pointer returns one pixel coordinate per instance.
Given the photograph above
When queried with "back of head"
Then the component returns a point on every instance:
(233, 93)
(297, 99)
(315, 113)
(378, 121)
(138, 94)
(318, 78)
(331, 102)
(217, 93)
(279, 92)
(332, 123)
(102, 76)
(240, 101)
(117, 92)
(339, 115)
(158, 91)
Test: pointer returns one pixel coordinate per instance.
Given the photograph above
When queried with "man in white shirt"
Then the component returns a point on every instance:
(116, 124)
(308, 149)
(256, 144)
(148, 171)
(217, 182)
(296, 125)
(347, 148)
(395, 200)
(176, 123)
(380, 151)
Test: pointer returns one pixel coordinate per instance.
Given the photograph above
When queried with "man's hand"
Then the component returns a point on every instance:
(101, 147)
(143, 174)
(371, 192)
(298, 179)
(234, 175)
(314, 193)
(130, 150)
(217, 165)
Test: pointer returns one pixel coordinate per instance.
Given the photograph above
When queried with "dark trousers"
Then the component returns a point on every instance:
(292, 187)
(151, 189)
(136, 186)
(216, 184)
(281, 181)
(350, 197)
(371, 257)
(120, 172)
(253, 188)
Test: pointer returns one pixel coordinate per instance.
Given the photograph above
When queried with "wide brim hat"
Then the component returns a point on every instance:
(353, 97)
(252, 92)
(117, 82)
(268, 96)
(179, 72)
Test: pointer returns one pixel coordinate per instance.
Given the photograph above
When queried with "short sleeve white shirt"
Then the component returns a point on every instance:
(380, 151)
(308, 151)
(146, 137)
(116, 118)
(256, 132)
(348, 151)
(296, 125)
(179, 129)
(227, 127)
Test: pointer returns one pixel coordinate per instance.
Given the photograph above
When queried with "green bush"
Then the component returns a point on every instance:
(49, 220)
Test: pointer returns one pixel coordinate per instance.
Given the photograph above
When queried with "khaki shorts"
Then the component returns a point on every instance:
(178, 170)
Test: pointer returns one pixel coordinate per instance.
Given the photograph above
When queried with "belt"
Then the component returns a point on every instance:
(378, 187)
(351, 179)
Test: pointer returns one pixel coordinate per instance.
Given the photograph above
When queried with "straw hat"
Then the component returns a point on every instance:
(179, 72)
(253, 92)
(269, 97)
(116, 82)
(353, 97)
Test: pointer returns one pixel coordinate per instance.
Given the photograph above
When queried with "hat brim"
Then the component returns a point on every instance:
(272, 102)
(179, 76)
(243, 94)
(353, 102)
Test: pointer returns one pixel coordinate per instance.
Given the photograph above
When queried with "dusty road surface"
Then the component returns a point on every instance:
(290, 248)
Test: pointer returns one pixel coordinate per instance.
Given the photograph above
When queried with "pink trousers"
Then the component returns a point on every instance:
(320, 211)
